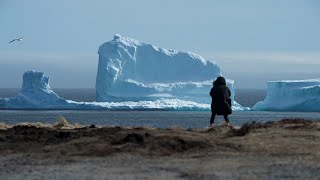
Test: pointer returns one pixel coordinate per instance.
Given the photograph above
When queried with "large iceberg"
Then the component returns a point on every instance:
(132, 75)
(37, 94)
(291, 95)
(130, 70)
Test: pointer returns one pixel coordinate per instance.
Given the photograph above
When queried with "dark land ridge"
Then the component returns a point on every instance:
(289, 148)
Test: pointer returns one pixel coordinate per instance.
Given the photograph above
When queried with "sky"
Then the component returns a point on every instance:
(252, 41)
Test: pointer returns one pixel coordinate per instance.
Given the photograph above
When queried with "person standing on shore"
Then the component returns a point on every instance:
(221, 101)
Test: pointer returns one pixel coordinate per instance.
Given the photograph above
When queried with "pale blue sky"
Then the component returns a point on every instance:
(253, 41)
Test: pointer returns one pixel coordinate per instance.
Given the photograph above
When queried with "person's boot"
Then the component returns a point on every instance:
(211, 126)
(226, 123)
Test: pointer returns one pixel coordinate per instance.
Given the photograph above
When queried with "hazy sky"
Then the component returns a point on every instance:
(253, 41)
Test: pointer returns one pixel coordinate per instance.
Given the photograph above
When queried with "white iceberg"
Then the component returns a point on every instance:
(132, 75)
(34, 94)
(37, 94)
(130, 70)
(291, 95)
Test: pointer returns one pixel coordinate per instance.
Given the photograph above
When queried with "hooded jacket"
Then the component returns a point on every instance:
(220, 94)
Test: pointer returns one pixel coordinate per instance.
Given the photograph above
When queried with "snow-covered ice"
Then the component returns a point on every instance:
(34, 94)
(37, 94)
(291, 95)
(132, 75)
(130, 70)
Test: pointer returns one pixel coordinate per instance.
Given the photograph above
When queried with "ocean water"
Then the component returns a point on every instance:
(246, 97)
(160, 119)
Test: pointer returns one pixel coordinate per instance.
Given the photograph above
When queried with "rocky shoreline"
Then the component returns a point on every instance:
(288, 148)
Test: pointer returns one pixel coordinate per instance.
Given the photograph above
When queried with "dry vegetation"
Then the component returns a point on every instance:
(254, 144)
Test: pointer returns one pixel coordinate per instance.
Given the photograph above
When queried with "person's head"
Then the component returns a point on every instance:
(220, 81)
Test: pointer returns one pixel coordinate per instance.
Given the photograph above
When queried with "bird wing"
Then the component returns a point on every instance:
(19, 39)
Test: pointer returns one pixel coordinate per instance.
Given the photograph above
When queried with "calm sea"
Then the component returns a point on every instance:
(246, 97)
(161, 119)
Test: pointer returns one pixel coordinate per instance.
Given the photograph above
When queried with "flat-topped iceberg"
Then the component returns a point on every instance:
(291, 95)
(137, 71)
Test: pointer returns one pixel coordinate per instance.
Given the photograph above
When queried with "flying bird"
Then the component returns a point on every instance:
(18, 39)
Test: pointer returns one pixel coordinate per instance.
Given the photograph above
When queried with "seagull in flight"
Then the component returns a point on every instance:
(18, 39)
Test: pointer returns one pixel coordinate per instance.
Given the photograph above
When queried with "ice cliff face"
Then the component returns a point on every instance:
(133, 70)
(35, 92)
(36, 85)
(297, 95)
(132, 75)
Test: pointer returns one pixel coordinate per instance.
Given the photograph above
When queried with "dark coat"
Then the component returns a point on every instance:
(220, 94)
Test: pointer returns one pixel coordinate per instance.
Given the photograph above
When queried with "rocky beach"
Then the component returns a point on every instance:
(285, 149)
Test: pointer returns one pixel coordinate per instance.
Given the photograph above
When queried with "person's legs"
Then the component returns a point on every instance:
(213, 115)
(226, 120)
